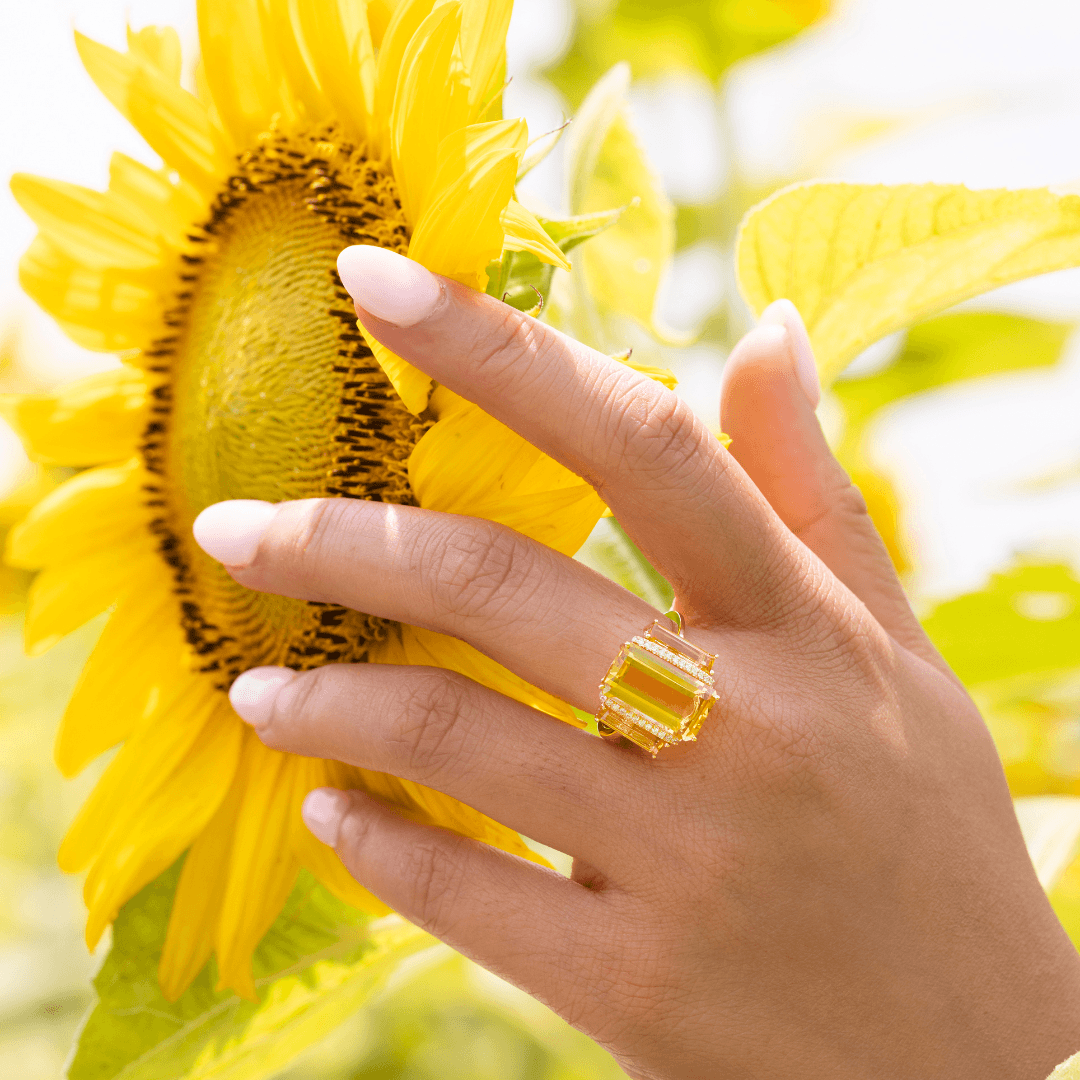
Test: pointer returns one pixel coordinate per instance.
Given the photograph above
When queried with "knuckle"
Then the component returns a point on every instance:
(427, 739)
(499, 354)
(481, 572)
(436, 879)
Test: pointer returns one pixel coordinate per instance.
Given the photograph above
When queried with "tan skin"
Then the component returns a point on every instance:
(830, 883)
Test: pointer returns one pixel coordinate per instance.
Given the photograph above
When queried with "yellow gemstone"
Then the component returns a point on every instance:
(666, 695)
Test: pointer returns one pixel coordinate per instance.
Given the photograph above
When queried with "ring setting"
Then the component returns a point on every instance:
(659, 689)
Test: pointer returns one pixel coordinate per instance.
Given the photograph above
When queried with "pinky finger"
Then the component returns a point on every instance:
(513, 917)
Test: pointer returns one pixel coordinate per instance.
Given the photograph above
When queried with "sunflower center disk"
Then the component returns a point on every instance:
(273, 394)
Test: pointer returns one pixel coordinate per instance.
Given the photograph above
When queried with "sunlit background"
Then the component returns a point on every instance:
(976, 477)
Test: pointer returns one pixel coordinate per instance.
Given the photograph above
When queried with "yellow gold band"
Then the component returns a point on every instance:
(659, 689)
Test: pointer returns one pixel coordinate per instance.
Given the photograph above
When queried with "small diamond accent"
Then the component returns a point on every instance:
(632, 716)
(673, 658)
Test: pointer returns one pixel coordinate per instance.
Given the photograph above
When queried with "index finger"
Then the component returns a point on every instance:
(681, 497)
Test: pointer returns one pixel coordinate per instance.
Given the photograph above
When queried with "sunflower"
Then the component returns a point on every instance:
(244, 374)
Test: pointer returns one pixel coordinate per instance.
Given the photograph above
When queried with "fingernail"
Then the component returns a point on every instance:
(230, 531)
(252, 694)
(323, 811)
(391, 287)
(784, 313)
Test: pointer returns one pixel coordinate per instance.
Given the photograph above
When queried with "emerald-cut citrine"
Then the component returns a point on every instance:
(659, 690)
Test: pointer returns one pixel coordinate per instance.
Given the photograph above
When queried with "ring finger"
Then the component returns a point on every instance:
(528, 771)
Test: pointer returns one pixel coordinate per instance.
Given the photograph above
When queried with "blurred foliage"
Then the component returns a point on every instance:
(674, 35)
(935, 353)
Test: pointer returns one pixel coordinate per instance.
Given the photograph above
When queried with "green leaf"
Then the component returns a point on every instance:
(609, 551)
(860, 261)
(519, 276)
(944, 350)
(618, 275)
(676, 35)
(319, 961)
(1026, 620)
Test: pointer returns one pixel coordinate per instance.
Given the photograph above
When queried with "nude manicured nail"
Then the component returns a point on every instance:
(784, 313)
(230, 531)
(323, 811)
(252, 694)
(389, 286)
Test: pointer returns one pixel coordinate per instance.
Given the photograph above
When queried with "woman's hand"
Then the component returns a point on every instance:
(829, 883)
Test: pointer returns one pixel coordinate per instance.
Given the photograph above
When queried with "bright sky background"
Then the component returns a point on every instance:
(985, 92)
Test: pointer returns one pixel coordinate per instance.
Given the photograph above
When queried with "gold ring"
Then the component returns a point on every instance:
(659, 689)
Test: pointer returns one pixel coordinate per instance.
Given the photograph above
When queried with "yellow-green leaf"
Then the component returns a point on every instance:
(860, 261)
(618, 273)
(319, 962)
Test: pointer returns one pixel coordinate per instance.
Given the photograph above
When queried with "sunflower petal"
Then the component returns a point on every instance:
(189, 939)
(174, 123)
(107, 310)
(158, 46)
(321, 860)
(263, 866)
(561, 518)
(432, 100)
(96, 509)
(65, 596)
(113, 694)
(467, 457)
(236, 68)
(429, 649)
(461, 230)
(91, 226)
(411, 384)
(177, 126)
(166, 208)
(343, 58)
(403, 24)
(156, 825)
(95, 420)
(379, 14)
(142, 765)
(525, 233)
(483, 44)
(301, 89)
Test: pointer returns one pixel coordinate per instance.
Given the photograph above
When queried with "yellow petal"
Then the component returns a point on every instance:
(306, 100)
(561, 518)
(338, 41)
(143, 764)
(483, 45)
(95, 420)
(138, 661)
(321, 860)
(525, 233)
(404, 22)
(95, 228)
(174, 123)
(189, 939)
(379, 14)
(93, 510)
(108, 309)
(165, 207)
(157, 824)
(467, 457)
(158, 46)
(429, 649)
(412, 385)
(66, 595)
(263, 866)
(235, 65)
(432, 100)
(461, 230)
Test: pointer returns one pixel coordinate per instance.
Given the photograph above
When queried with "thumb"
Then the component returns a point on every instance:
(767, 401)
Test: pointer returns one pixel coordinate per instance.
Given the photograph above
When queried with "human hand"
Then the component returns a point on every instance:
(829, 883)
